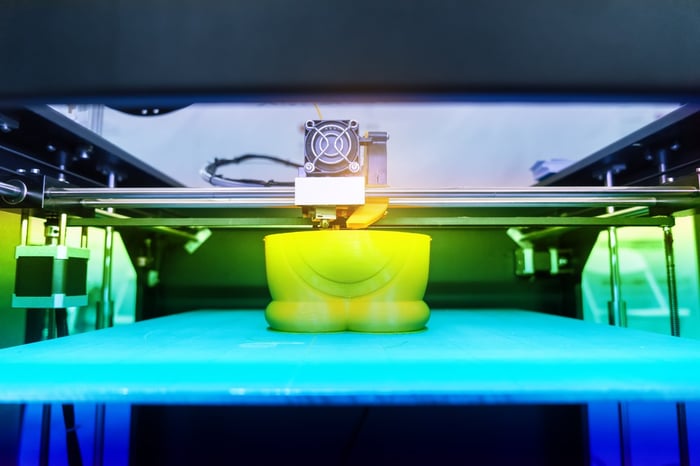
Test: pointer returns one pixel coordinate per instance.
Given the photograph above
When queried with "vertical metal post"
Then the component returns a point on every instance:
(104, 318)
(617, 316)
(683, 448)
(84, 237)
(99, 444)
(45, 439)
(50, 324)
(681, 418)
(623, 423)
(105, 312)
(104, 308)
(61, 240)
(671, 281)
(62, 229)
(617, 312)
(24, 227)
(52, 235)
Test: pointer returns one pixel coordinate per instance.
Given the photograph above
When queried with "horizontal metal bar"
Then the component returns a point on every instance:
(540, 201)
(283, 192)
(184, 203)
(393, 222)
(544, 191)
(627, 213)
(525, 221)
(284, 197)
(169, 193)
(632, 212)
(111, 217)
(218, 222)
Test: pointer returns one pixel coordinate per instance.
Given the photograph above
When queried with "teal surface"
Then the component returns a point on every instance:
(478, 357)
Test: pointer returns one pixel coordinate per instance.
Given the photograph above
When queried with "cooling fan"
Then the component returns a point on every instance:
(332, 147)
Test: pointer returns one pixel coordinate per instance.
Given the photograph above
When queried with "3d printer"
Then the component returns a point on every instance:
(506, 359)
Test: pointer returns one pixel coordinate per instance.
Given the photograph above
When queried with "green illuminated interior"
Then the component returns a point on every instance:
(469, 268)
(82, 319)
(644, 284)
(11, 320)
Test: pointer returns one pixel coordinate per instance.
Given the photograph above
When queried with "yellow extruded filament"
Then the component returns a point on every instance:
(358, 280)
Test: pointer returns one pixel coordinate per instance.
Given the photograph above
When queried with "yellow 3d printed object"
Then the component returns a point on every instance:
(359, 280)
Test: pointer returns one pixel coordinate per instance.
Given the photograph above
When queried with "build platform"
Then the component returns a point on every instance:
(465, 357)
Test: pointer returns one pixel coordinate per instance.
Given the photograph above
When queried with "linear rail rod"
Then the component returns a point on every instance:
(559, 224)
(7, 189)
(284, 197)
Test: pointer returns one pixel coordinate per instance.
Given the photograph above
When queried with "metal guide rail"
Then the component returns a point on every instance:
(528, 206)
(394, 219)
(674, 197)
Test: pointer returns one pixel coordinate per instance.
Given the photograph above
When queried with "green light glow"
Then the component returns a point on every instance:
(80, 319)
(644, 285)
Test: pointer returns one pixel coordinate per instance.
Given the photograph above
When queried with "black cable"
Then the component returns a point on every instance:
(209, 172)
(72, 445)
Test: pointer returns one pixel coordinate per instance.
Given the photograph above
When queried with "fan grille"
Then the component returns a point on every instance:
(332, 147)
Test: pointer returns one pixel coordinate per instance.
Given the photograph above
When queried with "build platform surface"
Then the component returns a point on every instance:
(470, 356)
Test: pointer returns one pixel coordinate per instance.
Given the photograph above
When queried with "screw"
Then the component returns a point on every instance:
(354, 167)
(309, 167)
(51, 231)
(35, 171)
(51, 148)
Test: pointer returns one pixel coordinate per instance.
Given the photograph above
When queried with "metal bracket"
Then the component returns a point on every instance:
(200, 237)
(551, 261)
(376, 155)
(614, 169)
(530, 261)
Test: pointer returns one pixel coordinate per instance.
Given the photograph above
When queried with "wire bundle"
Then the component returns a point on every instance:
(210, 171)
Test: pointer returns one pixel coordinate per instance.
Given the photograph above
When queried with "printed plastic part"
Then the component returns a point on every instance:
(357, 280)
